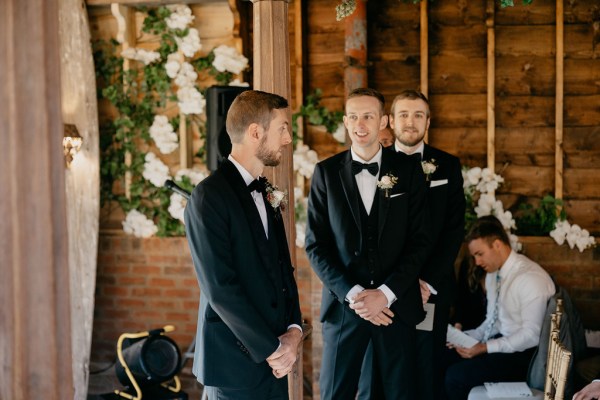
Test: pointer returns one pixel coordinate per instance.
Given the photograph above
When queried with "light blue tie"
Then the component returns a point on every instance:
(490, 326)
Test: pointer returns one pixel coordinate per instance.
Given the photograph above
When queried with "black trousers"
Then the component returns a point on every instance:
(464, 374)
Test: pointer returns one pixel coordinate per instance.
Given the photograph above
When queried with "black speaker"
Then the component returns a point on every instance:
(218, 101)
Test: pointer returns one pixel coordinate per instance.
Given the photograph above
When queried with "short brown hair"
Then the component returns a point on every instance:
(249, 107)
(488, 228)
(410, 95)
(358, 92)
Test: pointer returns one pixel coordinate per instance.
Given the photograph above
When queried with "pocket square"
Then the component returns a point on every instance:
(438, 183)
(396, 195)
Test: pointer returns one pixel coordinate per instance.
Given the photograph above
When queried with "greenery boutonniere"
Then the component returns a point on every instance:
(386, 183)
(429, 167)
(276, 198)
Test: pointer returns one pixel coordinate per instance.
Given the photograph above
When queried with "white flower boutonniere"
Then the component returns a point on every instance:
(429, 167)
(276, 198)
(386, 183)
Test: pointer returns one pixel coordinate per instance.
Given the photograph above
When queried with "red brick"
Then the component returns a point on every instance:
(179, 271)
(162, 304)
(132, 280)
(115, 270)
(162, 282)
(145, 291)
(162, 259)
(146, 269)
(182, 293)
(132, 303)
(115, 291)
(190, 282)
(131, 259)
(174, 316)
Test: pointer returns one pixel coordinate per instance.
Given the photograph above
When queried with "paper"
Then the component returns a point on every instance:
(459, 338)
(497, 390)
(427, 323)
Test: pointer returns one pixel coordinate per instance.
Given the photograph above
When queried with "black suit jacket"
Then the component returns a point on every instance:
(334, 237)
(247, 298)
(446, 203)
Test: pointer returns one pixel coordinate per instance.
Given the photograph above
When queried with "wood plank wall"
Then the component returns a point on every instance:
(525, 86)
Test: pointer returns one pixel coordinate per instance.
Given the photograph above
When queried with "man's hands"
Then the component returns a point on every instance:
(283, 359)
(479, 348)
(371, 305)
(591, 391)
(425, 292)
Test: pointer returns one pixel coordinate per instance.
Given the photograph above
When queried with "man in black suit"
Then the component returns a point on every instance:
(366, 239)
(249, 317)
(410, 119)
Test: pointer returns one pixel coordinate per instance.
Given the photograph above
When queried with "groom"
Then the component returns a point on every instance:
(249, 318)
(366, 240)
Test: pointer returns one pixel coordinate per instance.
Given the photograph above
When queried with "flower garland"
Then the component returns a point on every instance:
(479, 187)
(144, 98)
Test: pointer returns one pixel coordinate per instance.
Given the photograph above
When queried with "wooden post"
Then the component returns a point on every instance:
(355, 50)
(424, 53)
(491, 87)
(272, 74)
(35, 327)
(558, 174)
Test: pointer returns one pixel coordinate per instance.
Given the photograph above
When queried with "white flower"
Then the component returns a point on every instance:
(505, 217)
(139, 225)
(177, 206)
(514, 242)
(429, 167)
(471, 177)
(386, 183)
(486, 205)
(181, 16)
(190, 100)
(146, 57)
(276, 198)
(186, 75)
(488, 181)
(195, 175)
(340, 133)
(163, 135)
(300, 234)
(237, 82)
(172, 65)
(189, 44)
(228, 59)
(574, 235)
(305, 160)
(155, 170)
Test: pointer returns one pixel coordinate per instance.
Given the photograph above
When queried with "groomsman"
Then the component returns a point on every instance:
(249, 317)
(410, 120)
(367, 239)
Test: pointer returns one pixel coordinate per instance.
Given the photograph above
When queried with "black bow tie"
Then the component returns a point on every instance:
(416, 156)
(357, 166)
(258, 185)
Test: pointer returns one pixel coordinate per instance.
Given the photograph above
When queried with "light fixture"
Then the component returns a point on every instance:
(71, 143)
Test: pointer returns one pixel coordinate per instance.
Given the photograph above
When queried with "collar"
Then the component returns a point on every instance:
(243, 171)
(376, 158)
(419, 149)
(508, 265)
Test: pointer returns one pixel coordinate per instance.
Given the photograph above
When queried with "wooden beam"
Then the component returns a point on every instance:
(491, 88)
(35, 332)
(355, 49)
(424, 54)
(148, 3)
(560, 74)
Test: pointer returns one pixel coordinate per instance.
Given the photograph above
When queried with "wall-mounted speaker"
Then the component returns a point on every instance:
(218, 101)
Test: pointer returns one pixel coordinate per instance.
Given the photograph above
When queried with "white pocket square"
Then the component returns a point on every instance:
(438, 183)
(396, 195)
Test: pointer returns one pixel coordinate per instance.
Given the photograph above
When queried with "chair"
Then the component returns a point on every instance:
(480, 393)
(558, 369)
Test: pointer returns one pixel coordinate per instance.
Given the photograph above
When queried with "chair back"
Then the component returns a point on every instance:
(557, 368)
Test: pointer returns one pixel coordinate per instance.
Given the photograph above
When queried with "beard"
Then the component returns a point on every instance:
(269, 158)
(405, 136)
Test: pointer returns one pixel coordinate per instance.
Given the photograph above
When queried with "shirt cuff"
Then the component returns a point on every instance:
(356, 289)
(431, 289)
(295, 326)
(391, 297)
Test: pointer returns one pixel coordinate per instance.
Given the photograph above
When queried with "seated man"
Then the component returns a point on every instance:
(590, 392)
(518, 290)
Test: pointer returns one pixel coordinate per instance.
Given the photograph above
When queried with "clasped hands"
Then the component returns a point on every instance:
(283, 359)
(371, 305)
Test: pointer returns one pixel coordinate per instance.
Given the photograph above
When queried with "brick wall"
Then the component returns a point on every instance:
(147, 283)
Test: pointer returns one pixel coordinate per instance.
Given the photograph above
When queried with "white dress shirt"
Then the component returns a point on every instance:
(524, 292)
(367, 186)
(259, 201)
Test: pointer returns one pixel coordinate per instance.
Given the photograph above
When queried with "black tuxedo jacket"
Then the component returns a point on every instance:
(248, 293)
(334, 237)
(446, 203)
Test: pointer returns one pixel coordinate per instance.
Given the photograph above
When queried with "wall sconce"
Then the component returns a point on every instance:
(71, 143)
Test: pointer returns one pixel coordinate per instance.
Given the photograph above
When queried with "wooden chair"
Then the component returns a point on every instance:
(558, 368)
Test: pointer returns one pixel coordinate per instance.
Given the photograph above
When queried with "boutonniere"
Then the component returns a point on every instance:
(386, 183)
(429, 167)
(276, 198)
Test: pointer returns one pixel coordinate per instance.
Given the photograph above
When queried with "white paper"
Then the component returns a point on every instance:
(427, 323)
(497, 390)
(459, 338)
